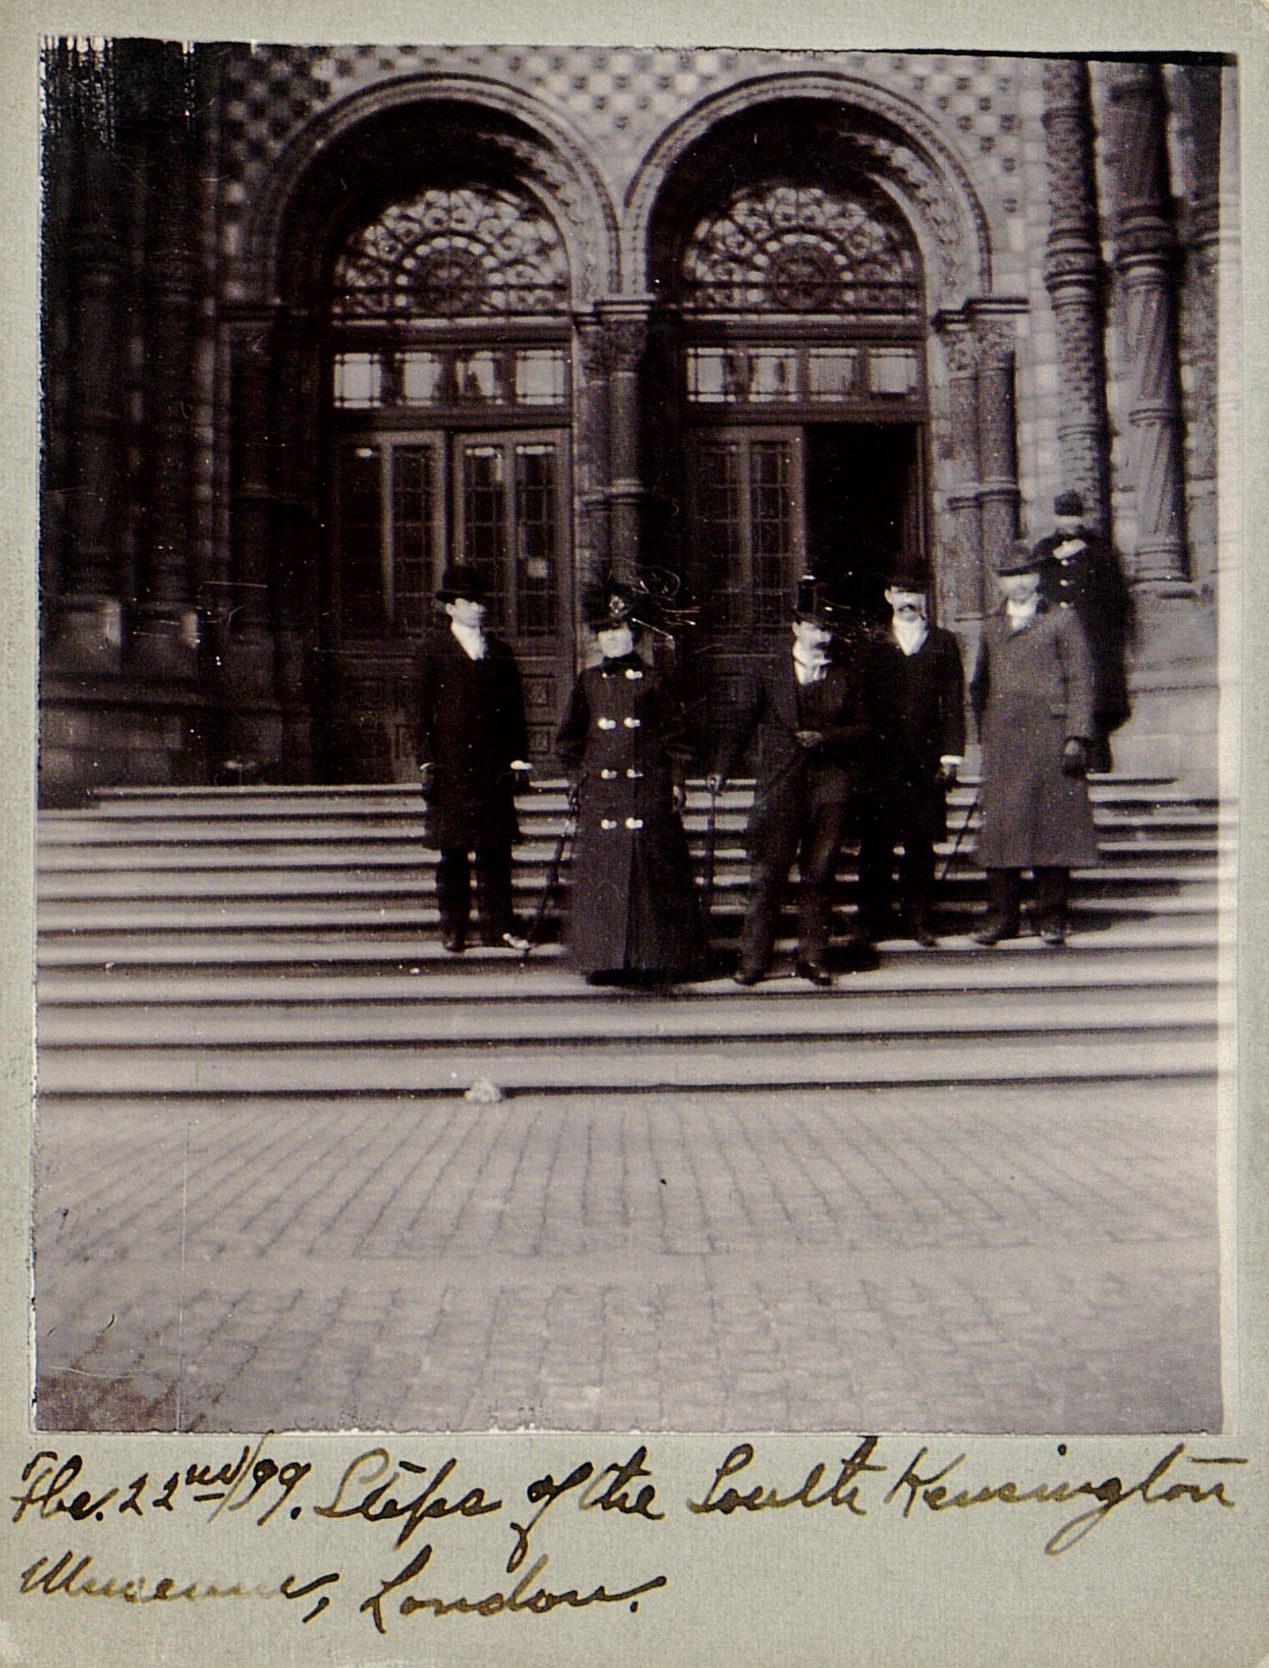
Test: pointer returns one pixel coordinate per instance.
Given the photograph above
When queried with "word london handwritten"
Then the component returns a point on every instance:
(403, 1494)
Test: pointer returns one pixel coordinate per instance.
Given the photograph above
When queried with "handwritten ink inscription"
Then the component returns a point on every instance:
(380, 1500)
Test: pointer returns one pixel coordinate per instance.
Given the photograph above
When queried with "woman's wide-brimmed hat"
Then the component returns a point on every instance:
(1016, 557)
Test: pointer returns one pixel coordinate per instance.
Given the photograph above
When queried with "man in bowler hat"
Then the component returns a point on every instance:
(1032, 694)
(1080, 571)
(472, 752)
(920, 691)
(812, 713)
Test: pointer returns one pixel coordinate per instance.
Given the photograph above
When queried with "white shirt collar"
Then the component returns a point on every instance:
(910, 634)
(1019, 613)
(471, 639)
(809, 665)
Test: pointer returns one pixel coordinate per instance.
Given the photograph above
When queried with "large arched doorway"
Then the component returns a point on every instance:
(429, 256)
(790, 358)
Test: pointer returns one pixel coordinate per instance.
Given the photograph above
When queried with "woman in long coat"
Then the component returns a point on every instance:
(1033, 695)
(634, 917)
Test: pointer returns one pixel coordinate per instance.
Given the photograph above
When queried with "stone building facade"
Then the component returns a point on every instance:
(319, 319)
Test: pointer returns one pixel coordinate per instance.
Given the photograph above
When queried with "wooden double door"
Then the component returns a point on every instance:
(406, 504)
(768, 503)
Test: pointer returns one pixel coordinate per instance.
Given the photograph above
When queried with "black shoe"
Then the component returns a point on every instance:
(454, 942)
(748, 975)
(994, 932)
(1052, 932)
(923, 935)
(815, 972)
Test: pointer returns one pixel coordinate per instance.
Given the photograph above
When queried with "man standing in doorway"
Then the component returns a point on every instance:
(1032, 694)
(1080, 571)
(472, 746)
(920, 693)
(812, 714)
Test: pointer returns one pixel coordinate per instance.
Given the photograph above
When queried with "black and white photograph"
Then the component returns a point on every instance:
(637, 820)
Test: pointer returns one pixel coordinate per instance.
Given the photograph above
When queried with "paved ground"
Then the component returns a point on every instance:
(1003, 1259)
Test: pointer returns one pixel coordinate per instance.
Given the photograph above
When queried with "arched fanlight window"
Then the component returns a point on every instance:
(780, 248)
(464, 252)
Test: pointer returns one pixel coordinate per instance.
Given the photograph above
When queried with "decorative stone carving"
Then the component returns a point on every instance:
(1072, 276)
(1144, 252)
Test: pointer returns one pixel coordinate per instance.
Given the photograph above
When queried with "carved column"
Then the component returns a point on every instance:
(165, 632)
(626, 327)
(1073, 278)
(88, 630)
(248, 643)
(997, 440)
(1144, 254)
(593, 467)
(963, 582)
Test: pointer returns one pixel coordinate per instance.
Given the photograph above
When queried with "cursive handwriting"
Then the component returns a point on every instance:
(843, 1491)
(49, 1480)
(518, 1600)
(368, 1495)
(543, 1492)
(69, 1577)
(1109, 1493)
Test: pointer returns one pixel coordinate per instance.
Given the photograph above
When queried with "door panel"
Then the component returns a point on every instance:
(404, 503)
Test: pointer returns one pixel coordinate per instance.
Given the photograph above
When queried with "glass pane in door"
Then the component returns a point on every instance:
(483, 477)
(413, 535)
(772, 530)
(362, 598)
(536, 518)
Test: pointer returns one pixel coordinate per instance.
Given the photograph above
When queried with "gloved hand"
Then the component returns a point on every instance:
(1074, 757)
(945, 775)
(678, 796)
(427, 780)
(809, 739)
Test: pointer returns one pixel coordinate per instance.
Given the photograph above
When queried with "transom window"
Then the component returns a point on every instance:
(798, 249)
(799, 375)
(454, 253)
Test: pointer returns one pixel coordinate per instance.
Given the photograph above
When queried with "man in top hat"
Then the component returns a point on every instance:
(1079, 570)
(813, 716)
(1032, 694)
(920, 691)
(472, 747)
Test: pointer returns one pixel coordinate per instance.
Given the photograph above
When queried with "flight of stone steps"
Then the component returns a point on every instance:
(214, 944)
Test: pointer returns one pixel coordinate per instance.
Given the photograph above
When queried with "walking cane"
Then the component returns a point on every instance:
(553, 870)
(960, 835)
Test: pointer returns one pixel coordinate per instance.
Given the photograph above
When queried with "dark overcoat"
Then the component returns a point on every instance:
(1092, 586)
(1031, 690)
(471, 725)
(791, 781)
(921, 715)
(634, 907)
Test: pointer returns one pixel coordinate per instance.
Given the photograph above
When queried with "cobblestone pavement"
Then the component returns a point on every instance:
(1006, 1259)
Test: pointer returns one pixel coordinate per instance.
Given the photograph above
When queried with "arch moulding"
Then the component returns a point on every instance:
(553, 161)
(910, 158)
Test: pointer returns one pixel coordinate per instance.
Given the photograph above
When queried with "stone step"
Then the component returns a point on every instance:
(63, 864)
(88, 889)
(1125, 931)
(613, 1018)
(415, 1072)
(95, 916)
(1097, 978)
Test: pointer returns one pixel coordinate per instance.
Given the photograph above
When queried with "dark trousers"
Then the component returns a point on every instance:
(493, 889)
(1048, 906)
(876, 876)
(815, 843)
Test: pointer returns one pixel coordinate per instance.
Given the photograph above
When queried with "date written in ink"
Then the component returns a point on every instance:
(54, 1486)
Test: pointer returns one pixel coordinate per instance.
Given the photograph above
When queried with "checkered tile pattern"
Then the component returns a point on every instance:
(619, 98)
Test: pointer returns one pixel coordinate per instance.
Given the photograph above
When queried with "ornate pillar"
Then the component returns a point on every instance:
(87, 632)
(997, 441)
(592, 461)
(1145, 244)
(165, 630)
(248, 646)
(1073, 278)
(625, 325)
(962, 584)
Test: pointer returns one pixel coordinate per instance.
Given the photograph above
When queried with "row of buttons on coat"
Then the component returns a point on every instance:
(612, 775)
(611, 723)
(630, 822)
